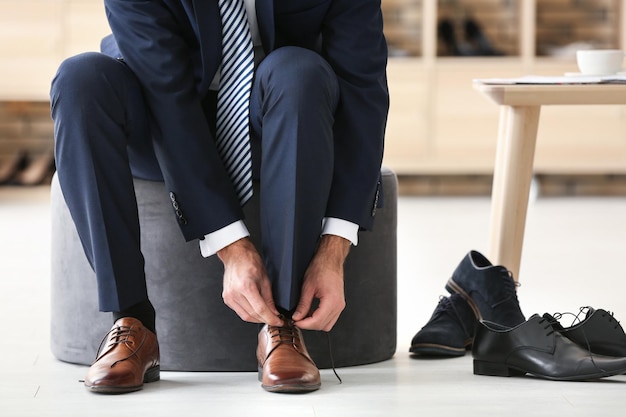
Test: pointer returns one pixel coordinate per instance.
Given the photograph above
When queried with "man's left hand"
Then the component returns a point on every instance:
(323, 280)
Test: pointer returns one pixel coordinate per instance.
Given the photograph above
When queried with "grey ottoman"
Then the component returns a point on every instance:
(196, 331)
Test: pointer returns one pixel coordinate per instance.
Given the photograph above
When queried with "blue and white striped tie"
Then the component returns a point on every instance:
(233, 98)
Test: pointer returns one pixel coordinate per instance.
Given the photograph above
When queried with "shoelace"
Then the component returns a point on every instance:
(512, 285)
(332, 361)
(288, 334)
(611, 319)
(120, 334)
(442, 307)
(585, 310)
(576, 318)
(555, 320)
(547, 326)
(445, 306)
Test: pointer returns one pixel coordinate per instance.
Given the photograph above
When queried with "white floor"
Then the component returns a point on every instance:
(573, 256)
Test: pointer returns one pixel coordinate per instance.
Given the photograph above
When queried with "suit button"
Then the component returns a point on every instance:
(179, 213)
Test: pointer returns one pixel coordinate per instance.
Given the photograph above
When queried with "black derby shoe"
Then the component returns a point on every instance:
(489, 290)
(599, 332)
(450, 330)
(535, 348)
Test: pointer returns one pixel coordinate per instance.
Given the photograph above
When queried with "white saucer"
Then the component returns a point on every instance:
(579, 74)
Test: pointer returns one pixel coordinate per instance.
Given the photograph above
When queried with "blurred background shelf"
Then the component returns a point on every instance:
(35, 36)
(438, 125)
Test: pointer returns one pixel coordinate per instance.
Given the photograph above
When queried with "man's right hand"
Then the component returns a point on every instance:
(247, 289)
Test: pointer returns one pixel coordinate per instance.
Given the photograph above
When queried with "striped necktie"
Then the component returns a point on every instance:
(233, 98)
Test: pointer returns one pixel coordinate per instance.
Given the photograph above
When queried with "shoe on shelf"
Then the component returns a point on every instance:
(489, 290)
(535, 348)
(598, 332)
(446, 33)
(11, 165)
(37, 170)
(284, 362)
(128, 356)
(477, 40)
(450, 330)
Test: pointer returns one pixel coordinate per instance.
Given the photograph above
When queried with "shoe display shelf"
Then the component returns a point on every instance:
(35, 36)
(440, 126)
(26, 143)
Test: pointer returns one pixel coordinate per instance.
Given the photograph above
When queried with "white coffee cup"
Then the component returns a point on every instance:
(600, 61)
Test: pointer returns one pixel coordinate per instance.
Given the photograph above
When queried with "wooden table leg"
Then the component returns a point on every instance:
(517, 136)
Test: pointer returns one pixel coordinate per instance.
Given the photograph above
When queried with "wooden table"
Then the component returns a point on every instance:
(520, 106)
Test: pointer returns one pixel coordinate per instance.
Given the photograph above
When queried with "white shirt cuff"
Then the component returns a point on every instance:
(341, 228)
(223, 237)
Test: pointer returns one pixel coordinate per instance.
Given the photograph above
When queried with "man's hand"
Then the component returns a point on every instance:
(323, 280)
(247, 289)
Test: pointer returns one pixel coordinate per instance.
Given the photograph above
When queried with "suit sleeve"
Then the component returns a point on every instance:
(354, 45)
(158, 50)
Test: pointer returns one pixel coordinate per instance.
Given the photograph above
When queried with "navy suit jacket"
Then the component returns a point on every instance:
(174, 48)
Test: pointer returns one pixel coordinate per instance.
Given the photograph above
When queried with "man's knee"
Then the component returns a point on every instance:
(297, 70)
(295, 63)
(84, 73)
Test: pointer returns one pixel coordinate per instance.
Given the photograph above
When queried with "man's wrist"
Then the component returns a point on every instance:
(213, 242)
(334, 249)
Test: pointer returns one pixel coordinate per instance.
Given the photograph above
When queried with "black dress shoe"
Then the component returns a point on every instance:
(12, 166)
(445, 32)
(599, 332)
(450, 330)
(535, 348)
(475, 37)
(489, 290)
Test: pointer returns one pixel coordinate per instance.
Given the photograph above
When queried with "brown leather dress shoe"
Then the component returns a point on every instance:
(284, 363)
(128, 356)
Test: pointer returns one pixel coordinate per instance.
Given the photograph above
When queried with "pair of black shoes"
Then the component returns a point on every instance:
(474, 43)
(479, 291)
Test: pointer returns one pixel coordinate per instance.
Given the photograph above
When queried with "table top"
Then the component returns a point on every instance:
(553, 94)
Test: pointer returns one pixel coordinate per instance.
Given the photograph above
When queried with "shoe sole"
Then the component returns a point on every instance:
(433, 349)
(151, 375)
(452, 287)
(291, 388)
(500, 369)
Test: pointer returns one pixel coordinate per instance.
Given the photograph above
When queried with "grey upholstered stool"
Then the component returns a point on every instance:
(196, 331)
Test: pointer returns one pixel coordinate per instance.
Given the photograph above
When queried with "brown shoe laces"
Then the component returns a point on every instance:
(287, 334)
(330, 355)
(119, 334)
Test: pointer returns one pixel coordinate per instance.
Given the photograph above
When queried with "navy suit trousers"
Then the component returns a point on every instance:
(103, 138)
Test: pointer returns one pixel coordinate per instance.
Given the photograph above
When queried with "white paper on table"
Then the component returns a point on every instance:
(540, 79)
